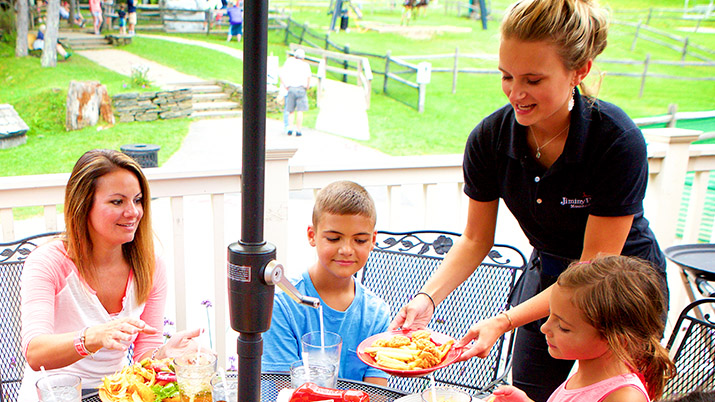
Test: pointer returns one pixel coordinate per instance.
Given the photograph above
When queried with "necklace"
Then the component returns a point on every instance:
(539, 147)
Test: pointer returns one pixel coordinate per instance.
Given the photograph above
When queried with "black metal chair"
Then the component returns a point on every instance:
(12, 362)
(402, 262)
(692, 347)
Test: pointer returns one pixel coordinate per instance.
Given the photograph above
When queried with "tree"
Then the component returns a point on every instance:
(23, 22)
(49, 50)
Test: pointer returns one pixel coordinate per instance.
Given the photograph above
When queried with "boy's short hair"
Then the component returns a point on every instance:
(344, 198)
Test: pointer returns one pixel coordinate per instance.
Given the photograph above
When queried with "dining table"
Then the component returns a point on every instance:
(273, 382)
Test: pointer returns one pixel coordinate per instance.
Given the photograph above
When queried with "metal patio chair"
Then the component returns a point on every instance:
(12, 362)
(402, 262)
(692, 347)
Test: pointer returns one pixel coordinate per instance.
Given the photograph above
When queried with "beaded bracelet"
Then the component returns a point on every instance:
(154, 353)
(434, 306)
(79, 343)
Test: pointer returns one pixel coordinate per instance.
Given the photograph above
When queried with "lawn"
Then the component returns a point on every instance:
(396, 128)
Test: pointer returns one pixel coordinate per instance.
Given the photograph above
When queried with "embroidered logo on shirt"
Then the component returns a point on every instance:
(583, 202)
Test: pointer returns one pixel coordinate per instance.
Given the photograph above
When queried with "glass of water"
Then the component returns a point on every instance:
(59, 388)
(219, 384)
(322, 373)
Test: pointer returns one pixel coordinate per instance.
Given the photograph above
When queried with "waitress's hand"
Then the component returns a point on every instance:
(415, 315)
(481, 337)
(116, 334)
(508, 393)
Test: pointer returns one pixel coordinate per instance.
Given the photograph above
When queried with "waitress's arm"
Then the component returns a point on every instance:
(460, 262)
(603, 236)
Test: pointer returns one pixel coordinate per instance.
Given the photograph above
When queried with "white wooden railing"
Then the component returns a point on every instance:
(196, 215)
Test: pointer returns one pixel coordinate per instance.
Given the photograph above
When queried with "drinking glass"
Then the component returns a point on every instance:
(218, 389)
(445, 394)
(59, 388)
(321, 359)
(193, 376)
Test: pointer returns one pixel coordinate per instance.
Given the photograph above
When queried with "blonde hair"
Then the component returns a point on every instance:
(79, 200)
(624, 299)
(578, 28)
(344, 198)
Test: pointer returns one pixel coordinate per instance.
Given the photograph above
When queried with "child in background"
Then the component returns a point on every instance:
(122, 20)
(235, 18)
(607, 315)
(343, 234)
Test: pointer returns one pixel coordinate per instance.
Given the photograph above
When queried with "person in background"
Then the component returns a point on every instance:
(235, 18)
(606, 314)
(295, 81)
(99, 289)
(122, 14)
(39, 43)
(571, 168)
(343, 234)
(65, 14)
(95, 7)
(131, 16)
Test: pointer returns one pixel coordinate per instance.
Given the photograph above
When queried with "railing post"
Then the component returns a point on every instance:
(685, 50)
(635, 37)
(302, 34)
(346, 65)
(285, 41)
(645, 73)
(387, 69)
(276, 206)
(667, 186)
(455, 72)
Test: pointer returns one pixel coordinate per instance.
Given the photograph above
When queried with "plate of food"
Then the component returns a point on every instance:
(147, 381)
(407, 353)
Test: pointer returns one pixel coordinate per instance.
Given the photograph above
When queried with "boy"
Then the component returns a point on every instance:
(122, 20)
(343, 234)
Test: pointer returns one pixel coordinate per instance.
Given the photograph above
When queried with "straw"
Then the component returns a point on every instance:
(49, 386)
(222, 376)
(198, 345)
(433, 384)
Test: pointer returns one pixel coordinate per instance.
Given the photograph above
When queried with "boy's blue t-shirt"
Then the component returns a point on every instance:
(367, 315)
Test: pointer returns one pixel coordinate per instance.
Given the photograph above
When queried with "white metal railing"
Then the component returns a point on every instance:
(194, 212)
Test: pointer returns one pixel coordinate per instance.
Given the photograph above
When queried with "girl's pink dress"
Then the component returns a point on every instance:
(598, 391)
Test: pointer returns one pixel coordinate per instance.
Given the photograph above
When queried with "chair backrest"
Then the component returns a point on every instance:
(12, 362)
(692, 347)
(402, 262)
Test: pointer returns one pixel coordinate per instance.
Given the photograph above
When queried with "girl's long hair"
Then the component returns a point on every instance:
(623, 298)
(79, 200)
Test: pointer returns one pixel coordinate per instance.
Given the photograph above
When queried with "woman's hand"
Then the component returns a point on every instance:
(181, 343)
(415, 315)
(481, 337)
(116, 334)
(508, 393)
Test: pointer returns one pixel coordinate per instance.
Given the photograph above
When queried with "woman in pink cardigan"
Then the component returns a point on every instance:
(90, 295)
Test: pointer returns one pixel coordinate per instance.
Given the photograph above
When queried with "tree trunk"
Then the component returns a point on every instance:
(73, 12)
(23, 21)
(49, 51)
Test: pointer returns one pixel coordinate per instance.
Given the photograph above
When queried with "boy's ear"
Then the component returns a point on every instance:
(311, 235)
(374, 239)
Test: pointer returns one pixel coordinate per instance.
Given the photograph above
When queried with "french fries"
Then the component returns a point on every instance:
(402, 353)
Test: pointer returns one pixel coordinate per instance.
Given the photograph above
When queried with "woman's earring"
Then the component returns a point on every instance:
(573, 93)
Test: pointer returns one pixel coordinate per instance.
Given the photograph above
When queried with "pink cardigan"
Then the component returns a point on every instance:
(56, 300)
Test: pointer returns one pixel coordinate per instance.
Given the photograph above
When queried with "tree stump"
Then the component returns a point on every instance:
(86, 101)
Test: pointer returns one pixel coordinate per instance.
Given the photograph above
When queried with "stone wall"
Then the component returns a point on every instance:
(235, 92)
(148, 106)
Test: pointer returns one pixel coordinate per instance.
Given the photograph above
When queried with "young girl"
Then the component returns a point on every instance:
(606, 314)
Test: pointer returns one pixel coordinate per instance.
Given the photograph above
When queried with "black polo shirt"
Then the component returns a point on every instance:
(603, 171)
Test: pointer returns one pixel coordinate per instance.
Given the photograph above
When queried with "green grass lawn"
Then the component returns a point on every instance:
(396, 128)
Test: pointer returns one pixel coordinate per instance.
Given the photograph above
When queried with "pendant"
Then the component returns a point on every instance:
(538, 154)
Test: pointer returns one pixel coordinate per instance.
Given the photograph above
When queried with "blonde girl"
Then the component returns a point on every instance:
(607, 315)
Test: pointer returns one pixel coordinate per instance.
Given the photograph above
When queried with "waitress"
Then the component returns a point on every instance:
(571, 168)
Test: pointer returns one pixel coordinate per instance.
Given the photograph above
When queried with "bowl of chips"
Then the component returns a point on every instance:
(406, 353)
